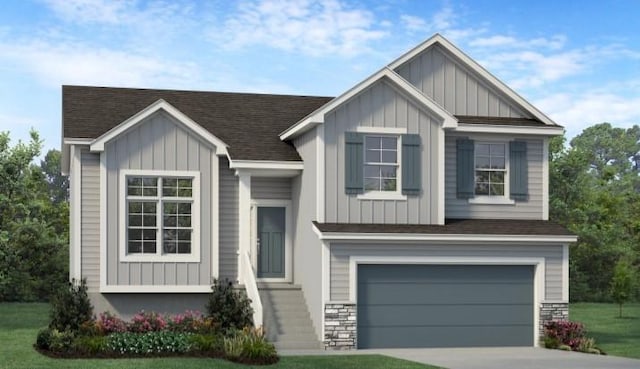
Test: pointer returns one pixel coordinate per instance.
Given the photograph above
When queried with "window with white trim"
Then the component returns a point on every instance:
(159, 217)
(381, 164)
(490, 169)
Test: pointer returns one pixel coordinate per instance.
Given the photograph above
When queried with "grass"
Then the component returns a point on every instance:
(616, 336)
(20, 322)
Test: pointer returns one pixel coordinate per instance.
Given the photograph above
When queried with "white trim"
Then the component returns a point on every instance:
(215, 217)
(288, 248)
(75, 214)
(326, 281)
(320, 175)
(156, 289)
(509, 129)
(441, 176)
(565, 272)
(266, 164)
(475, 67)
(98, 143)
(244, 217)
(382, 130)
(538, 280)
(545, 179)
(491, 200)
(318, 116)
(77, 141)
(261, 172)
(367, 237)
(383, 195)
(103, 221)
(159, 256)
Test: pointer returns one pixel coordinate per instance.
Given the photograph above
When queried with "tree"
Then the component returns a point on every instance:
(622, 283)
(33, 228)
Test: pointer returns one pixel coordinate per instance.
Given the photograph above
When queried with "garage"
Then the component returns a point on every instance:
(416, 305)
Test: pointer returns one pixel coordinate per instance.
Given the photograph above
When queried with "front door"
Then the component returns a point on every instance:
(271, 238)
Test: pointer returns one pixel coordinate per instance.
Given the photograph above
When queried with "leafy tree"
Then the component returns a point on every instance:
(33, 229)
(622, 283)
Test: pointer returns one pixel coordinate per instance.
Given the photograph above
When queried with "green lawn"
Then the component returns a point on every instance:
(616, 336)
(19, 324)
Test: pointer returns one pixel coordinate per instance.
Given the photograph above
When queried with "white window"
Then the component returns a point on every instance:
(160, 216)
(490, 169)
(381, 163)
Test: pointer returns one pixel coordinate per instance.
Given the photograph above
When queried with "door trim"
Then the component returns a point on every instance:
(288, 249)
(537, 263)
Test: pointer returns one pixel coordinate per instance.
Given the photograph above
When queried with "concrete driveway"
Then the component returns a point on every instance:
(508, 358)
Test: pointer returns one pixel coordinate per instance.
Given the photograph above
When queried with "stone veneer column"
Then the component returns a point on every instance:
(553, 311)
(340, 327)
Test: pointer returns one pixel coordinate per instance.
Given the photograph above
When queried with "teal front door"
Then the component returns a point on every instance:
(271, 235)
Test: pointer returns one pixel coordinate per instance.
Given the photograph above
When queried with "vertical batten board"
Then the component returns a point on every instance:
(545, 179)
(390, 109)
(438, 75)
(161, 144)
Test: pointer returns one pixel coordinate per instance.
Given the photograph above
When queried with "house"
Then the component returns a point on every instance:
(410, 211)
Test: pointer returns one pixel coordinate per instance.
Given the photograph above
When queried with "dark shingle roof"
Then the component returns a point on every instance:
(502, 121)
(248, 123)
(456, 226)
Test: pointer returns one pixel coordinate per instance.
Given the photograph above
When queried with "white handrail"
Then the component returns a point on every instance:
(251, 286)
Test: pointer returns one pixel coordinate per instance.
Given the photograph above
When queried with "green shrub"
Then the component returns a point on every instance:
(149, 342)
(211, 343)
(61, 341)
(90, 344)
(230, 308)
(551, 342)
(43, 340)
(250, 346)
(70, 307)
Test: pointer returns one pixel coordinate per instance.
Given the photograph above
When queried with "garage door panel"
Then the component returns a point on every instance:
(445, 315)
(445, 305)
(423, 293)
(401, 273)
(391, 337)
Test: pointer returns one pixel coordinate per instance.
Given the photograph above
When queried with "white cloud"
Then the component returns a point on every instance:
(580, 110)
(316, 28)
(413, 23)
(555, 42)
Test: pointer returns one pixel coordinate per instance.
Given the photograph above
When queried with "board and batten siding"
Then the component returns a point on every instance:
(380, 105)
(340, 254)
(271, 188)
(90, 218)
(455, 87)
(462, 209)
(307, 249)
(159, 143)
(228, 221)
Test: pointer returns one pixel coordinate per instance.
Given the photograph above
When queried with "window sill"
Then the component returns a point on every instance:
(160, 258)
(491, 200)
(381, 195)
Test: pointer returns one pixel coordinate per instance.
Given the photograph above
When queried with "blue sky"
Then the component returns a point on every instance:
(578, 61)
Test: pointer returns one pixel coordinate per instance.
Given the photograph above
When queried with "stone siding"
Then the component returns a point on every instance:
(340, 326)
(553, 311)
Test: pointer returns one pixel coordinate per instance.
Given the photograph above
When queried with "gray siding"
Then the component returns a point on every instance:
(380, 106)
(340, 254)
(307, 249)
(228, 221)
(460, 208)
(90, 218)
(159, 144)
(271, 188)
(456, 88)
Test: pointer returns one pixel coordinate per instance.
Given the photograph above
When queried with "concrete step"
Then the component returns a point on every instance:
(297, 345)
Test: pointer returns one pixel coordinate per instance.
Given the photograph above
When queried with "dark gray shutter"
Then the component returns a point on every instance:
(518, 171)
(353, 163)
(411, 172)
(465, 169)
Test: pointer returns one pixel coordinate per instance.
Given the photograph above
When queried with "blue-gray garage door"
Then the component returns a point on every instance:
(445, 305)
